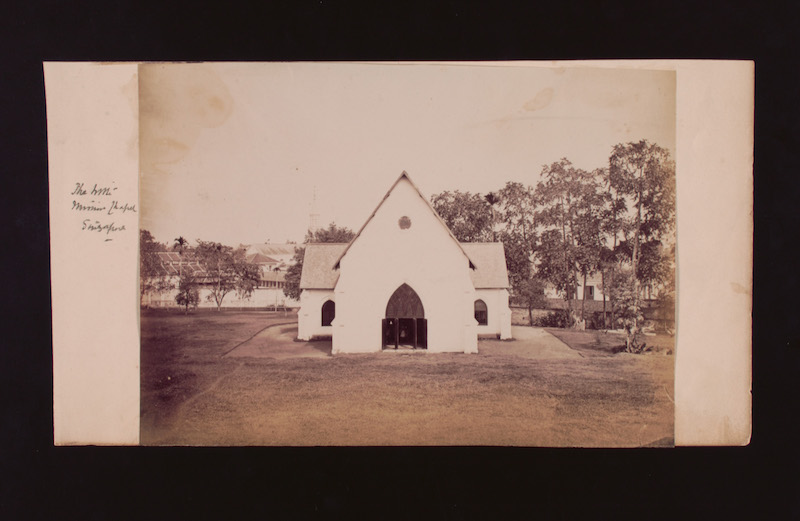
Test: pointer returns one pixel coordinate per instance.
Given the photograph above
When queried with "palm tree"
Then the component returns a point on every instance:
(492, 199)
(180, 244)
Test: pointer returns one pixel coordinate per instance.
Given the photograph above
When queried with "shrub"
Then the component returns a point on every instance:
(595, 321)
(552, 319)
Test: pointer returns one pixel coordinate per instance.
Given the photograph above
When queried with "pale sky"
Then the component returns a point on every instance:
(231, 152)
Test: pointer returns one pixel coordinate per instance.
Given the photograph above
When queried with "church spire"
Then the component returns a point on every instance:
(313, 224)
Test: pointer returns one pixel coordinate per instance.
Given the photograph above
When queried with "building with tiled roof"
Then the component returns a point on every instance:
(404, 281)
(267, 294)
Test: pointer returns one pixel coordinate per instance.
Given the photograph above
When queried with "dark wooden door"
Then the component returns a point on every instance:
(422, 333)
(405, 322)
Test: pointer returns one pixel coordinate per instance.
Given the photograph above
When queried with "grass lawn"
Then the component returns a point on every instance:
(598, 343)
(191, 394)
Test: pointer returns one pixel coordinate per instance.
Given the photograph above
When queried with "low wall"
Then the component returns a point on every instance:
(593, 310)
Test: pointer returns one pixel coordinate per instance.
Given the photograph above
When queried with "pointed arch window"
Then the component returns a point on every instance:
(481, 313)
(328, 312)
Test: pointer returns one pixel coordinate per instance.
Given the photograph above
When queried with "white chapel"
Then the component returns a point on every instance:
(404, 282)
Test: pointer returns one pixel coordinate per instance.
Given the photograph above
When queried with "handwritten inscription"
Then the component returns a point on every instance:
(100, 202)
(97, 226)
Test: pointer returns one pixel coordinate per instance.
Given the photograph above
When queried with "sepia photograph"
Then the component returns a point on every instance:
(396, 254)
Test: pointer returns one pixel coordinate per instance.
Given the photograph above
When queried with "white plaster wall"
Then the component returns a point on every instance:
(594, 279)
(309, 318)
(499, 314)
(591, 280)
(261, 298)
(384, 257)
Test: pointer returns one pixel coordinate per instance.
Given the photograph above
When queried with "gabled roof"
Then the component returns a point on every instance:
(260, 258)
(490, 259)
(320, 259)
(407, 178)
(318, 265)
(172, 263)
(271, 249)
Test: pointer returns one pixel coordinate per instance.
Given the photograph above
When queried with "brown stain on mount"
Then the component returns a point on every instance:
(738, 288)
(178, 102)
(540, 101)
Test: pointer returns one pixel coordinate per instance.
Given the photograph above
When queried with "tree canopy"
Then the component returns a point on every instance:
(226, 269)
(151, 275)
(575, 223)
(468, 215)
(332, 233)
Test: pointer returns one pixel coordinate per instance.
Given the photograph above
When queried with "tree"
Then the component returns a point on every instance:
(518, 259)
(152, 276)
(531, 293)
(188, 295)
(644, 174)
(180, 245)
(226, 270)
(630, 311)
(493, 199)
(291, 286)
(516, 217)
(557, 197)
(467, 215)
(589, 239)
(517, 210)
(330, 234)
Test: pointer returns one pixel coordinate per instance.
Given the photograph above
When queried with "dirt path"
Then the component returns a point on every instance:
(529, 342)
(277, 341)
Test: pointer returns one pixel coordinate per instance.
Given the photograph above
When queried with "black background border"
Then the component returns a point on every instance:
(38, 480)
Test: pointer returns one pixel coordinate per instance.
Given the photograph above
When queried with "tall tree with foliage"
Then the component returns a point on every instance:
(616, 227)
(467, 215)
(226, 269)
(588, 230)
(517, 210)
(644, 174)
(516, 218)
(558, 197)
(331, 234)
(152, 276)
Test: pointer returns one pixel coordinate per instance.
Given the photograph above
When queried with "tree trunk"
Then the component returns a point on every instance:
(583, 301)
(636, 287)
(603, 282)
(530, 314)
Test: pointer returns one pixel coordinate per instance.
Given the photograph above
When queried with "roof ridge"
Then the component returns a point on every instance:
(430, 206)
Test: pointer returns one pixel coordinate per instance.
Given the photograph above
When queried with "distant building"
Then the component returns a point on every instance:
(404, 281)
(594, 289)
(274, 260)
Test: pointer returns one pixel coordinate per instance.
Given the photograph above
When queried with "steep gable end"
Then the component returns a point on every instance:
(404, 176)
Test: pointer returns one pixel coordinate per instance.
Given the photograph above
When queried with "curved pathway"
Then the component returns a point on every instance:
(529, 342)
(278, 341)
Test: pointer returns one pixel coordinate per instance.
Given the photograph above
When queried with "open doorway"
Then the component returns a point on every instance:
(405, 326)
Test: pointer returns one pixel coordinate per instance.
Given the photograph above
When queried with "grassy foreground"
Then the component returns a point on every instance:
(192, 395)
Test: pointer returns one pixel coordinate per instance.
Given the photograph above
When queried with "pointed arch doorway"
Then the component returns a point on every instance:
(405, 325)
